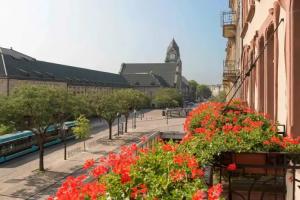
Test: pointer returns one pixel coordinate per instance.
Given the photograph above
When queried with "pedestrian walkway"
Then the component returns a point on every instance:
(20, 180)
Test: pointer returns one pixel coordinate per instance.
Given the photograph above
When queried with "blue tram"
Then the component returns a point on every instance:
(14, 145)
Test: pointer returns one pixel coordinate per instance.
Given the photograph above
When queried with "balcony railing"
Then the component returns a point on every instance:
(230, 72)
(228, 22)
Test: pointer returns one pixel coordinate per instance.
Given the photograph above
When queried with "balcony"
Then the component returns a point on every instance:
(230, 72)
(228, 22)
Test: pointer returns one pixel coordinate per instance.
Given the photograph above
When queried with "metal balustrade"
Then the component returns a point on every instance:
(228, 23)
(230, 72)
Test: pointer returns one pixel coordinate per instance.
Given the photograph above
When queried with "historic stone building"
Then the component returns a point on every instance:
(264, 38)
(231, 25)
(264, 41)
(149, 77)
(17, 69)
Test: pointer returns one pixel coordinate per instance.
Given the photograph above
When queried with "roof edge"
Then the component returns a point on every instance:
(3, 62)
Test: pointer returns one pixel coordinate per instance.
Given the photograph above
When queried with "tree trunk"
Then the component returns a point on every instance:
(84, 145)
(110, 130)
(126, 122)
(41, 152)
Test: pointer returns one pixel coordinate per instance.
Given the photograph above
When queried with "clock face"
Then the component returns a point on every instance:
(172, 56)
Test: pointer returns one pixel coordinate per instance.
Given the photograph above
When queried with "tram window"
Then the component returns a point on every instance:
(1, 149)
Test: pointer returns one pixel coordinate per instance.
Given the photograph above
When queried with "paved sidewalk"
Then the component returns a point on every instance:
(20, 180)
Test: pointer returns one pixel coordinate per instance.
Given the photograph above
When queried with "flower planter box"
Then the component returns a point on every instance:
(267, 175)
(265, 163)
(248, 159)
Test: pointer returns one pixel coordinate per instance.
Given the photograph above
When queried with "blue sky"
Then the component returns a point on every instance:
(102, 34)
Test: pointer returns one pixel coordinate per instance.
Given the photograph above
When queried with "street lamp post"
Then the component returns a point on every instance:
(167, 115)
(134, 122)
(65, 129)
(118, 115)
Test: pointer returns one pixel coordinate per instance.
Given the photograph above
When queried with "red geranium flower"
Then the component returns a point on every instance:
(215, 192)
(197, 173)
(168, 147)
(99, 170)
(88, 163)
(92, 190)
(177, 175)
(125, 178)
(231, 167)
(199, 195)
(179, 159)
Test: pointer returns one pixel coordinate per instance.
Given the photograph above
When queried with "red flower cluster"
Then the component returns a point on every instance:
(139, 190)
(190, 162)
(199, 195)
(231, 167)
(74, 188)
(121, 163)
(282, 142)
(99, 170)
(196, 173)
(168, 147)
(88, 163)
(93, 190)
(177, 175)
(215, 192)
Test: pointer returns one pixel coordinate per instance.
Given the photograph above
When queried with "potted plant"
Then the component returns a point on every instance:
(237, 130)
(238, 140)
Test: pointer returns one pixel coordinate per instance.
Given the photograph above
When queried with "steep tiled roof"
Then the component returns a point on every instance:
(166, 71)
(21, 66)
(144, 80)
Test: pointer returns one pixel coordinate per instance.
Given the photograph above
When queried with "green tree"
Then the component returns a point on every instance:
(5, 129)
(203, 92)
(82, 129)
(129, 100)
(167, 97)
(108, 109)
(36, 108)
(91, 101)
(193, 89)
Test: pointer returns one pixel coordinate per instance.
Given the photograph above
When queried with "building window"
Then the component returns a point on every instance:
(270, 95)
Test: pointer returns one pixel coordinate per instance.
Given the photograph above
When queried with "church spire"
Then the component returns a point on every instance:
(173, 54)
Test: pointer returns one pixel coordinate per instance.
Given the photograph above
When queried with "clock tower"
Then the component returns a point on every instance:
(173, 54)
